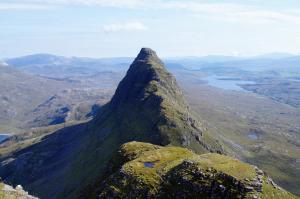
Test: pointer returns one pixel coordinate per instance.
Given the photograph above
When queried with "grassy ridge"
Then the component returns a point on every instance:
(178, 172)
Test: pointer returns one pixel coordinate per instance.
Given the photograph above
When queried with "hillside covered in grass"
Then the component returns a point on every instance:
(142, 170)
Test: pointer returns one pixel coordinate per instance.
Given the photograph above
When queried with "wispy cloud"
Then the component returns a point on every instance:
(235, 12)
(121, 27)
(22, 6)
(258, 16)
(232, 12)
(104, 3)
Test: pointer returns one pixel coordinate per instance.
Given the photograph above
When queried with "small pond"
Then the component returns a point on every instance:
(149, 164)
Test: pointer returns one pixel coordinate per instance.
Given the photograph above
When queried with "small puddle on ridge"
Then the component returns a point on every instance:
(149, 164)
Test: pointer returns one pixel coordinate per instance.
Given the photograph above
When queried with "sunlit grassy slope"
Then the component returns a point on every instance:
(147, 170)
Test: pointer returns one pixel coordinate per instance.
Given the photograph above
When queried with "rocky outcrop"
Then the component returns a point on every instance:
(173, 172)
(8, 192)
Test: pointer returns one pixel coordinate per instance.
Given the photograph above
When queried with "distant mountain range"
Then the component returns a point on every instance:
(58, 66)
(28, 100)
(276, 55)
(271, 62)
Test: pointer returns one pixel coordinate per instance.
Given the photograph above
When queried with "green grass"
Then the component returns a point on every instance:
(269, 192)
(164, 159)
(169, 160)
(230, 116)
(228, 165)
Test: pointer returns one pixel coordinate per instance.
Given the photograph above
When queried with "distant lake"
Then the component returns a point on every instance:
(3, 137)
(226, 83)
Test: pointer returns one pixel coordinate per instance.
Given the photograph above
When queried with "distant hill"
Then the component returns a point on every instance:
(274, 56)
(68, 105)
(288, 64)
(278, 62)
(58, 66)
(205, 59)
(28, 100)
(20, 93)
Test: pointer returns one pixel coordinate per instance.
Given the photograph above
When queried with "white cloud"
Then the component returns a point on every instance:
(233, 12)
(104, 3)
(22, 6)
(121, 27)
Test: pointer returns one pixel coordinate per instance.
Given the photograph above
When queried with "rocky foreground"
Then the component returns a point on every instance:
(8, 192)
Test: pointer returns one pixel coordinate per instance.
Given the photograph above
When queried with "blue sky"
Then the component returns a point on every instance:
(110, 28)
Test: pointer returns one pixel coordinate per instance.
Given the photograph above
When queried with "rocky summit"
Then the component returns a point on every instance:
(149, 106)
(142, 170)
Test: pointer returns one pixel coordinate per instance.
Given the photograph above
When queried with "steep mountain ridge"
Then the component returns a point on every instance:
(147, 106)
(149, 92)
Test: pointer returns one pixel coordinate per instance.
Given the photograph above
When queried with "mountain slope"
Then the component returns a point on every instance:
(20, 93)
(58, 66)
(147, 106)
(142, 170)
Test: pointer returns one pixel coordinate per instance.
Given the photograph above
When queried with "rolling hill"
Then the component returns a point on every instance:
(20, 93)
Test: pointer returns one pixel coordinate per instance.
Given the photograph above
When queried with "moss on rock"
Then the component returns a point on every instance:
(173, 172)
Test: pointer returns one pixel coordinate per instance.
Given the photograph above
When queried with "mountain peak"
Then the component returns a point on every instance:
(150, 97)
(147, 54)
(146, 78)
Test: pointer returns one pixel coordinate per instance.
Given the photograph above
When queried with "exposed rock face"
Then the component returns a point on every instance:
(179, 173)
(149, 106)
